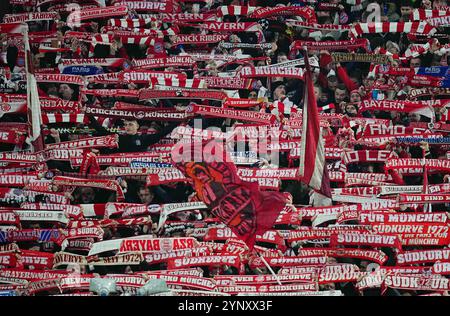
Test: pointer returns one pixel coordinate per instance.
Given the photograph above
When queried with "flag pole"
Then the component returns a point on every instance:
(268, 267)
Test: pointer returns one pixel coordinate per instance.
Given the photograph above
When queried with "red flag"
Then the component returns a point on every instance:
(312, 168)
(237, 203)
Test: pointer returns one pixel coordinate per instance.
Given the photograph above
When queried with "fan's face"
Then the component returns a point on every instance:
(131, 127)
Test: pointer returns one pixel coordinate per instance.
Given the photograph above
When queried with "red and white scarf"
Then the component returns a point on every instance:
(235, 10)
(329, 45)
(141, 113)
(422, 256)
(365, 156)
(307, 13)
(228, 26)
(365, 240)
(371, 255)
(59, 78)
(185, 17)
(110, 141)
(258, 117)
(27, 17)
(144, 6)
(433, 164)
(96, 183)
(394, 27)
(415, 283)
(422, 14)
(199, 39)
(164, 62)
(105, 12)
(399, 106)
(267, 71)
(145, 76)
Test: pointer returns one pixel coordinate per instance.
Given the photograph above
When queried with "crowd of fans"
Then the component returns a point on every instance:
(367, 111)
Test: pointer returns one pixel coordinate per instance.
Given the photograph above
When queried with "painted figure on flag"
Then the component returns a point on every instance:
(238, 204)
